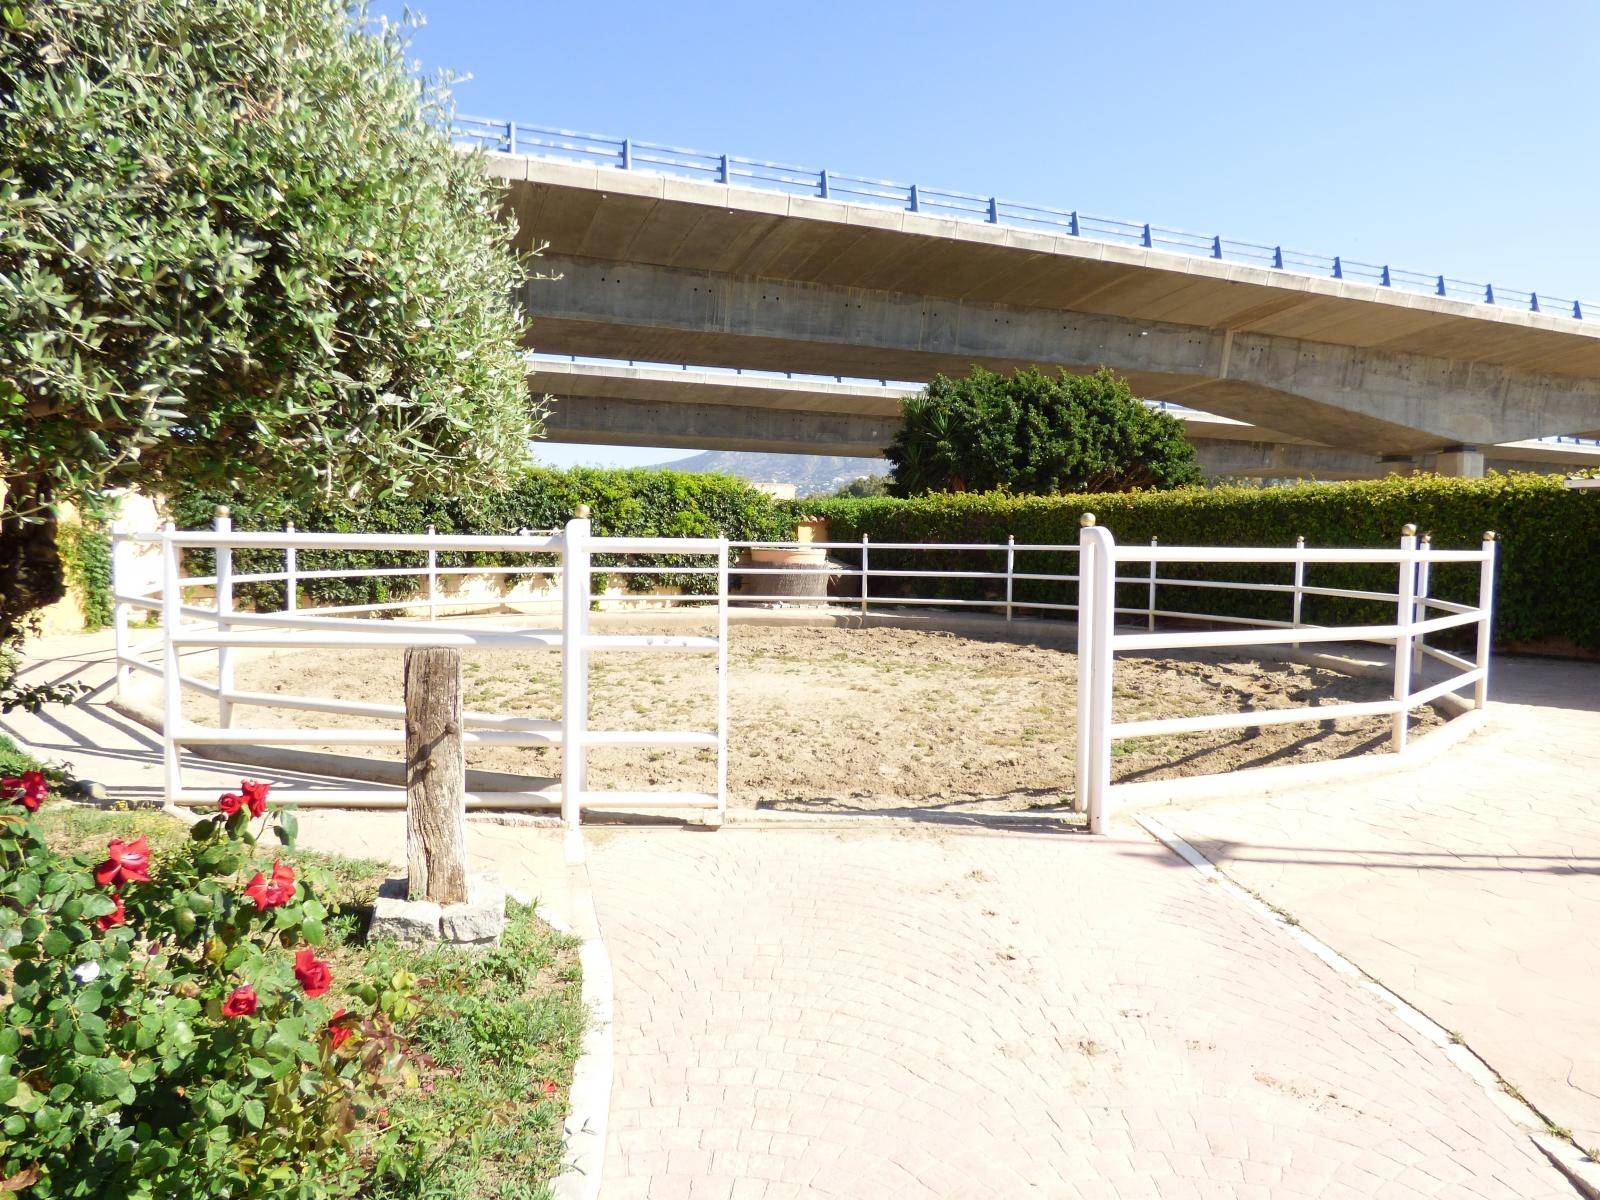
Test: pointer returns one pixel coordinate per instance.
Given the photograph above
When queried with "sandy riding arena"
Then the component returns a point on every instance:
(827, 719)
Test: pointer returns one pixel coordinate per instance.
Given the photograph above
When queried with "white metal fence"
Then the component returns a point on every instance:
(568, 557)
(1099, 641)
(189, 625)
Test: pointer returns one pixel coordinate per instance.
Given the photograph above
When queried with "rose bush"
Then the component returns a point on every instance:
(163, 1030)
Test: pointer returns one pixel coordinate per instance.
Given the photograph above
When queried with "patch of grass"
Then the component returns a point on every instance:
(494, 1041)
(14, 760)
(499, 1029)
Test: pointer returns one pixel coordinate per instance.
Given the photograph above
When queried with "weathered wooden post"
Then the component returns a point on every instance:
(436, 776)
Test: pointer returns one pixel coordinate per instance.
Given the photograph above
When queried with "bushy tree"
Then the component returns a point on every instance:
(864, 487)
(237, 249)
(1036, 434)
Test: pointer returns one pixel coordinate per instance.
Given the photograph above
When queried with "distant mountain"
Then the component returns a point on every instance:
(811, 474)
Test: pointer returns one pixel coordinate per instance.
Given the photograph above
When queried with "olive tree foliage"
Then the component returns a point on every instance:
(237, 250)
(1036, 434)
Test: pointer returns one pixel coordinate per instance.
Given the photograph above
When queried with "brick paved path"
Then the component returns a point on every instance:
(1471, 887)
(808, 1013)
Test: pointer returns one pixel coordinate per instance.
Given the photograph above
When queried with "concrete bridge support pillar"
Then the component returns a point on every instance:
(1464, 461)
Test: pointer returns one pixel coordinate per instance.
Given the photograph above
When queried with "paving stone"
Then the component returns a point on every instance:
(1075, 1043)
(1471, 886)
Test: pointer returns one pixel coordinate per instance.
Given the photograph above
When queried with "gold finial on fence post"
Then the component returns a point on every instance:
(223, 511)
(581, 513)
(1086, 520)
(1408, 530)
(1490, 535)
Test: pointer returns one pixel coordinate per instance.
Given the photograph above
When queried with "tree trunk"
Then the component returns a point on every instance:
(436, 777)
(30, 567)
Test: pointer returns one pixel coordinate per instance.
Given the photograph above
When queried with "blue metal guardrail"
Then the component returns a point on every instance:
(512, 137)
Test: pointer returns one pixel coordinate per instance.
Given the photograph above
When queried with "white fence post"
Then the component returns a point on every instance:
(1104, 585)
(1011, 564)
(1086, 623)
(1097, 597)
(433, 579)
(1150, 602)
(722, 681)
(222, 522)
(1404, 612)
(171, 684)
(291, 572)
(574, 672)
(864, 540)
(1480, 690)
(1419, 608)
(1299, 585)
(121, 581)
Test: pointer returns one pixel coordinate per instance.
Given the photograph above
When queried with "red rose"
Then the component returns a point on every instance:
(28, 789)
(115, 917)
(126, 862)
(312, 972)
(340, 1026)
(241, 1002)
(255, 795)
(229, 803)
(273, 893)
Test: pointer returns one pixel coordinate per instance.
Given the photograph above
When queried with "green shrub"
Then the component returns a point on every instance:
(632, 503)
(1037, 434)
(1548, 586)
(14, 760)
(86, 562)
(164, 1032)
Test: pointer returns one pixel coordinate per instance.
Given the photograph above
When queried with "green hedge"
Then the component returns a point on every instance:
(631, 503)
(1549, 568)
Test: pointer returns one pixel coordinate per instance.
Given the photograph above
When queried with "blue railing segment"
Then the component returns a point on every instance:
(568, 145)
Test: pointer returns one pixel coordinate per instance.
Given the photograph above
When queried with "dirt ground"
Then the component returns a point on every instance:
(860, 719)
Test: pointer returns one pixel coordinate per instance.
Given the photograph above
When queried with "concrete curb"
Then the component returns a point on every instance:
(1581, 1171)
(589, 1098)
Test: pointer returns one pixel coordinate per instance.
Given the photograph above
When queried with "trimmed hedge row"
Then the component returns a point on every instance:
(631, 503)
(1549, 565)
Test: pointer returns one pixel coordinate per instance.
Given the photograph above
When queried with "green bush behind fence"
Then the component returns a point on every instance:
(1549, 558)
(623, 503)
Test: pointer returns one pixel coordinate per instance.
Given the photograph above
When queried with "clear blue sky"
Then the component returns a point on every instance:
(1456, 137)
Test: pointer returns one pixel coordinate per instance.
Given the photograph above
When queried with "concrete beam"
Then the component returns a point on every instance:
(609, 422)
(1369, 400)
(612, 403)
(686, 425)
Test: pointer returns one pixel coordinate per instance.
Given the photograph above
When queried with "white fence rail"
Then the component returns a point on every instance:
(1085, 585)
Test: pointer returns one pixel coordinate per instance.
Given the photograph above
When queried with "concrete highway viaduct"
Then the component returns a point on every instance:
(626, 404)
(658, 268)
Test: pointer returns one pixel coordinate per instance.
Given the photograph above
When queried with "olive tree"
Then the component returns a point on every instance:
(238, 250)
(1036, 434)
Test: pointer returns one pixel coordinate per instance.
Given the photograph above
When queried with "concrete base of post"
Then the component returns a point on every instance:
(475, 924)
